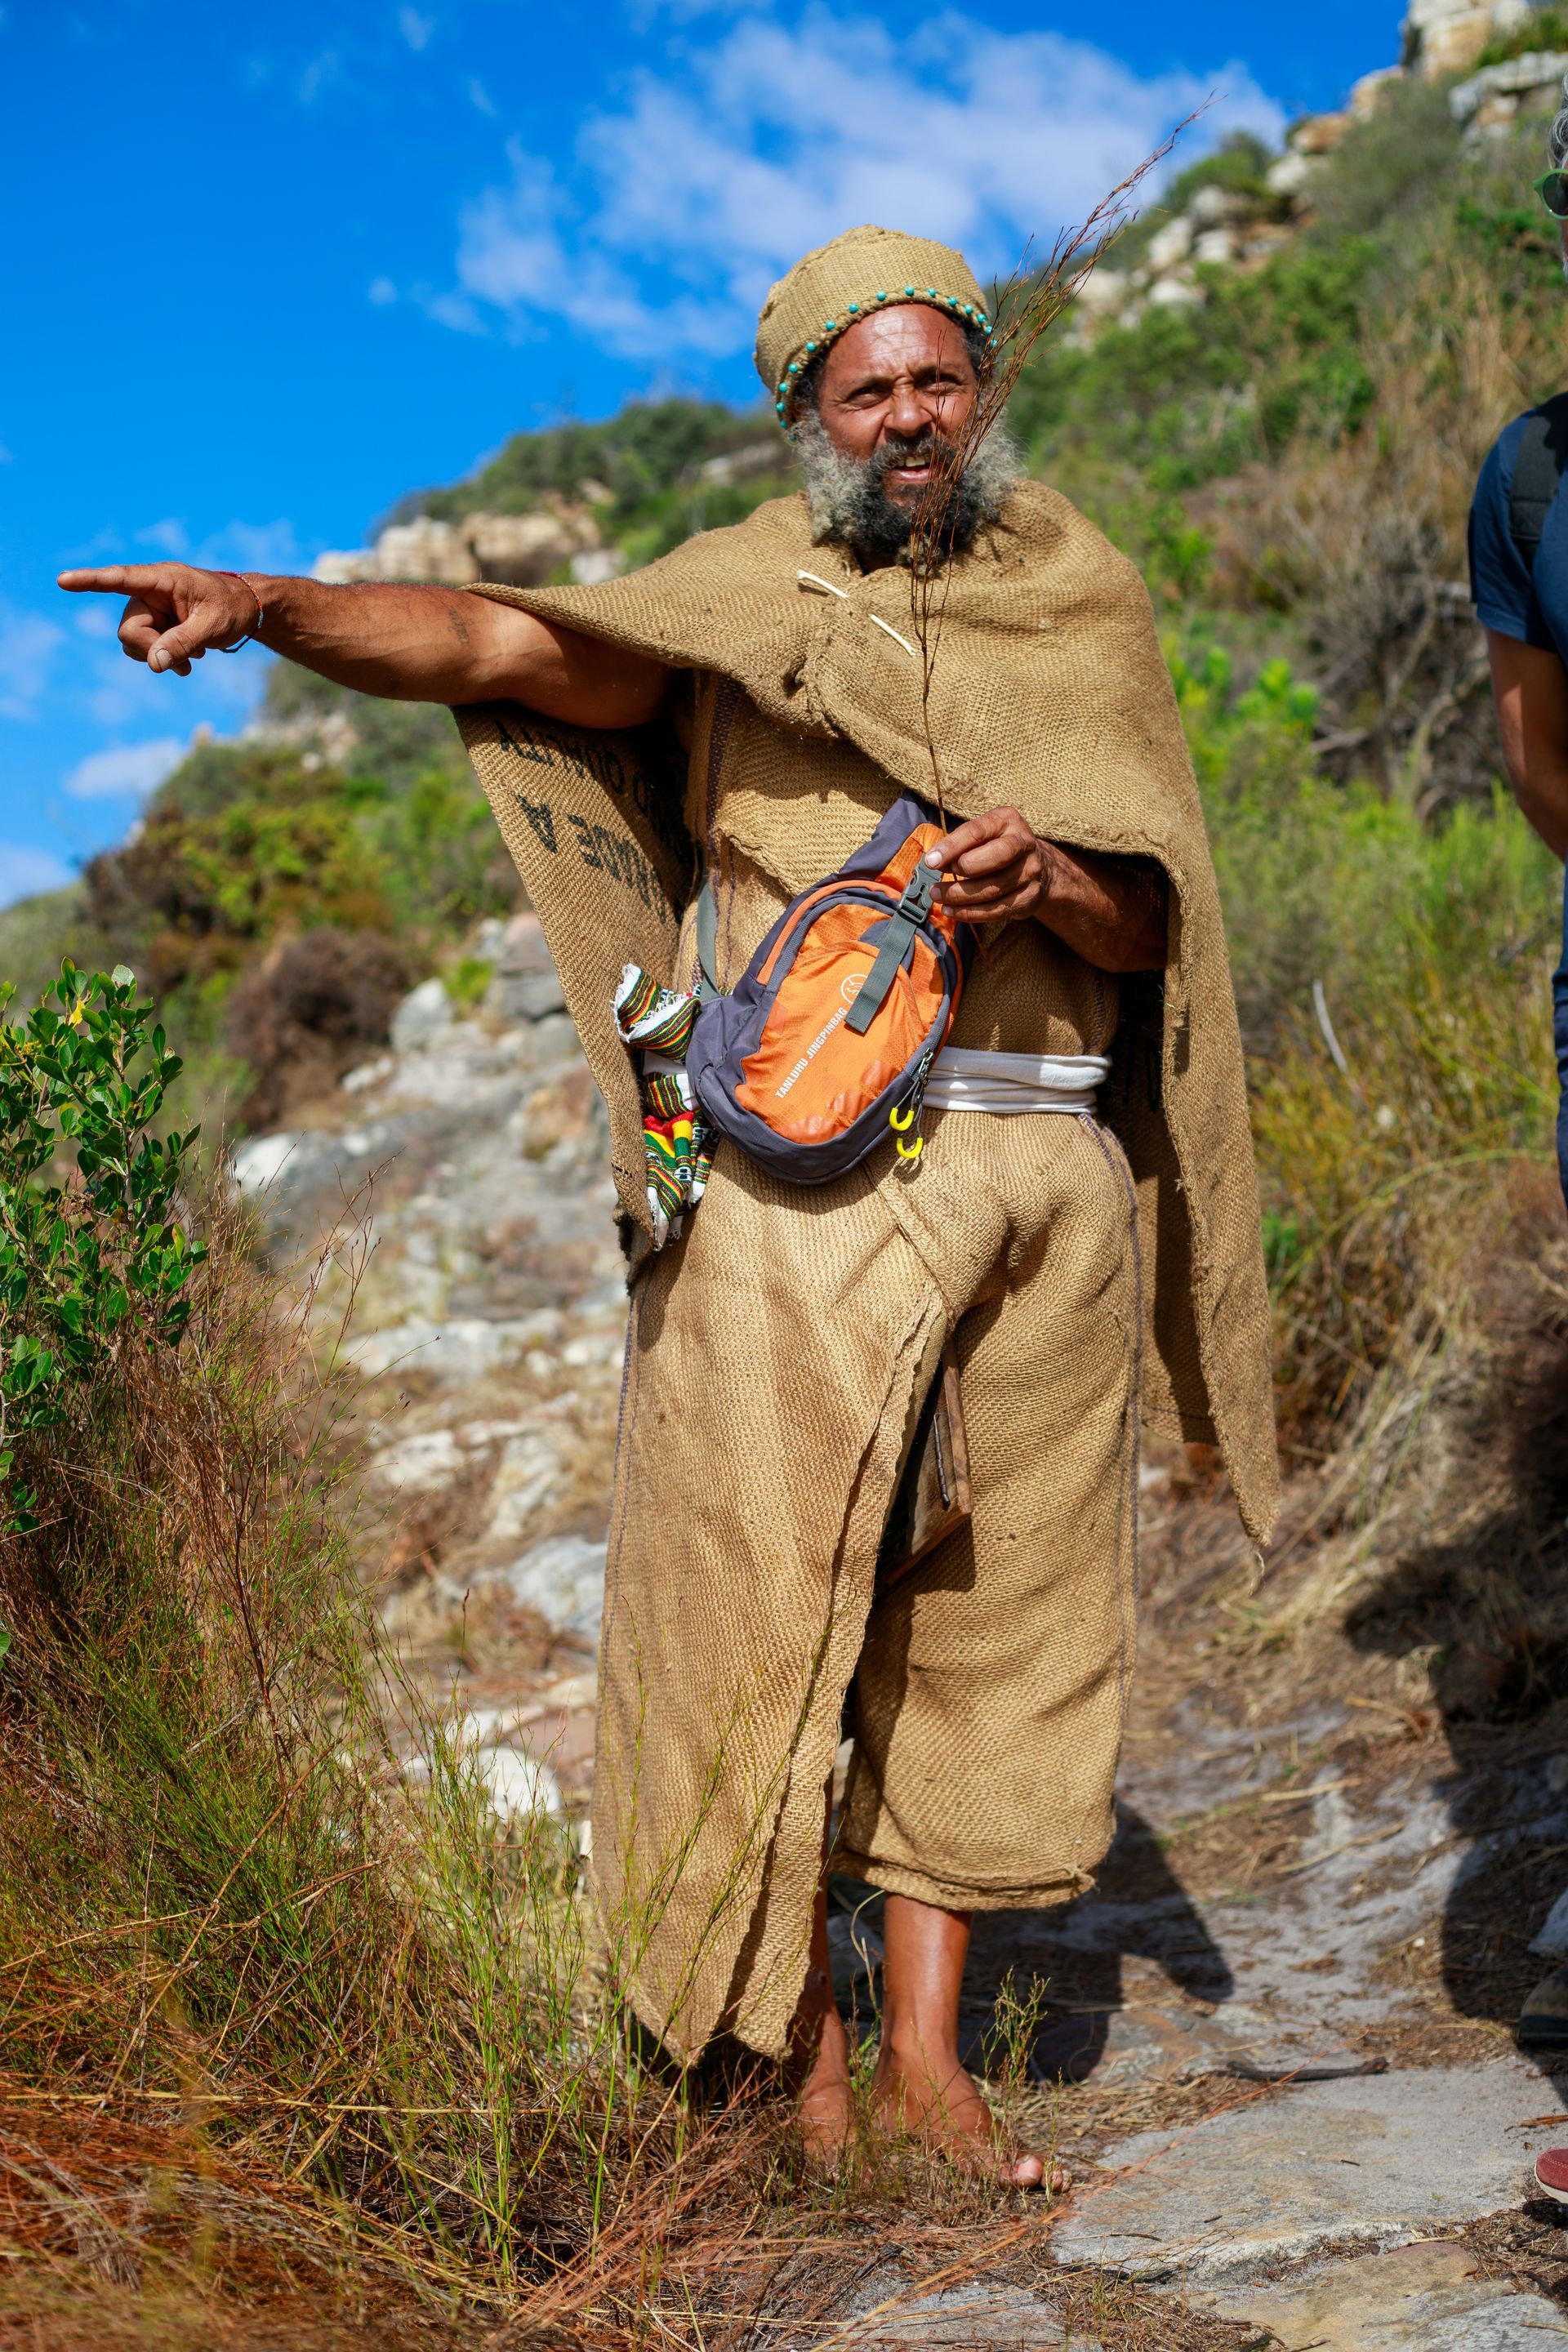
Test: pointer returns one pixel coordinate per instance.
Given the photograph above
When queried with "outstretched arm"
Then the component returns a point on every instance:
(407, 643)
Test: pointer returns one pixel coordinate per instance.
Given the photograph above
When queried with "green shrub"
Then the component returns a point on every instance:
(1543, 29)
(1432, 945)
(83, 1265)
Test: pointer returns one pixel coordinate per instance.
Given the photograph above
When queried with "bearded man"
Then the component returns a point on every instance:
(1084, 1270)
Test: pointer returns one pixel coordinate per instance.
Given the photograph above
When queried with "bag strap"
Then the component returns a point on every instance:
(1538, 465)
(897, 934)
(707, 940)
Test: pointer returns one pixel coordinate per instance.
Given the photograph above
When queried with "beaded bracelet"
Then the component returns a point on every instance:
(250, 636)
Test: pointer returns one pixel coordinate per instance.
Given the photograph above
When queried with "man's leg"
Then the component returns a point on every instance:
(921, 2084)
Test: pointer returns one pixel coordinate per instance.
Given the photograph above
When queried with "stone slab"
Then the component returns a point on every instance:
(1419, 2298)
(970, 2317)
(1144, 2043)
(1381, 2160)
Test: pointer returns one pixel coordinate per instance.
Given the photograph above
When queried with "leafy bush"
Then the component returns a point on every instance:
(311, 1009)
(1543, 29)
(86, 1265)
(1432, 945)
(636, 458)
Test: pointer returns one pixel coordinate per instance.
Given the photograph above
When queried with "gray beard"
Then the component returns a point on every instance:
(848, 501)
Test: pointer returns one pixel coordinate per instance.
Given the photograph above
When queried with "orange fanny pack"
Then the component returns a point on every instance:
(824, 1045)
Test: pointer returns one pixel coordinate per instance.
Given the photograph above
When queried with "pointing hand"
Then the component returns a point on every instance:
(176, 612)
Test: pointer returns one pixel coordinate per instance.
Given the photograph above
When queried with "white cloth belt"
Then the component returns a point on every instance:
(964, 1080)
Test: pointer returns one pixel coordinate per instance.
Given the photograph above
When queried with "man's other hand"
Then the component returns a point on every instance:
(993, 869)
(175, 612)
(1110, 910)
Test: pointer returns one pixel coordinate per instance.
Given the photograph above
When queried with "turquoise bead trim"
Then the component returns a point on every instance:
(831, 328)
(882, 296)
(853, 308)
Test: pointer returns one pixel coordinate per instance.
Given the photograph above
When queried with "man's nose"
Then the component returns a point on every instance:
(910, 412)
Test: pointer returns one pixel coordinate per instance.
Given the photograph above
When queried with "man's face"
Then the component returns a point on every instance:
(891, 386)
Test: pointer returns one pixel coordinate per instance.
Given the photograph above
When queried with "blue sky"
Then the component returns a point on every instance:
(269, 268)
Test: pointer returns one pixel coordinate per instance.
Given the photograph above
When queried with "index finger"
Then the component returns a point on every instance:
(109, 578)
(967, 836)
(112, 579)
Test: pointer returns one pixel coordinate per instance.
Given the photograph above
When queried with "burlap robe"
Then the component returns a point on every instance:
(774, 1353)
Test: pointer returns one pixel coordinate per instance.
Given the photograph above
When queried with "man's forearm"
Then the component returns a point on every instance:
(1112, 911)
(411, 643)
(442, 645)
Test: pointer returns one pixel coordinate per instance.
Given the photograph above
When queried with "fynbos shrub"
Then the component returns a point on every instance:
(99, 1250)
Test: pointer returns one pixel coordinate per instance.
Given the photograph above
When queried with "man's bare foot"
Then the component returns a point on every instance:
(940, 2105)
(826, 2111)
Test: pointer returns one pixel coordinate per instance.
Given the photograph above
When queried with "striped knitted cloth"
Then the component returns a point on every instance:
(655, 1024)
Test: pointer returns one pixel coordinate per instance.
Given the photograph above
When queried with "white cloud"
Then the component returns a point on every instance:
(133, 767)
(726, 165)
(479, 95)
(415, 29)
(382, 292)
(27, 648)
(320, 74)
(26, 871)
(169, 538)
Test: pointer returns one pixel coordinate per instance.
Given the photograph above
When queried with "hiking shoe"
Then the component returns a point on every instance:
(1544, 2020)
(1552, 2174)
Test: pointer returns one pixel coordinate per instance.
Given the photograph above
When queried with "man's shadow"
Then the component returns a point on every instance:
(1057, 1974)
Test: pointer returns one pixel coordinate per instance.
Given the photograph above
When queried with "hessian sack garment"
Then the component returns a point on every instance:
(1050, 693)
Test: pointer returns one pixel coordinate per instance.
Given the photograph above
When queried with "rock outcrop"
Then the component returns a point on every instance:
(522, 550)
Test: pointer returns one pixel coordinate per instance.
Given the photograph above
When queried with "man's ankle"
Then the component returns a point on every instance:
(917, 2050)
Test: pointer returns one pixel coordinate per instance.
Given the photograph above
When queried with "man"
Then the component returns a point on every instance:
(1083, 1271)
(1519, 581)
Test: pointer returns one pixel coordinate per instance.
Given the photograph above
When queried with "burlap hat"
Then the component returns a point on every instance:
(837, 285)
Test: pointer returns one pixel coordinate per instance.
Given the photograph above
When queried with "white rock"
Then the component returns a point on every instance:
(594, 565)
(1171, 244)
(1367, 91)
(1212, 206)
(1291, 175)
(421, 1464)
(594, 1348)
(1104, 290)
(527, 996)
(1216, 244)
(563, 1579)
(369, 1074)
(1174, 293)
(1552, 1940)
(425, 550)
(460, 1348)
(424, 1012)
(260, 1162)
(528, 1476)
(516, 1784)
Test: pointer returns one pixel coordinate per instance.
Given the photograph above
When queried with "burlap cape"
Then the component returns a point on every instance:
(1050, 693)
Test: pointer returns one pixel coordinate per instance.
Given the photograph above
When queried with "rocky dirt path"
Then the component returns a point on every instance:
(1275, 2045)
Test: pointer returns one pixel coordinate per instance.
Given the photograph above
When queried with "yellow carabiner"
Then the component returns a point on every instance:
(911, 1151)
(907, 1119)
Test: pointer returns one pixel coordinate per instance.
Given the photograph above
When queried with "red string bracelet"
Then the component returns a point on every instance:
(251, 636)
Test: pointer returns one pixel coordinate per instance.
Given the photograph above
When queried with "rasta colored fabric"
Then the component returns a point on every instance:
(657, 1022)
(831, 289)
(1049, 691)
